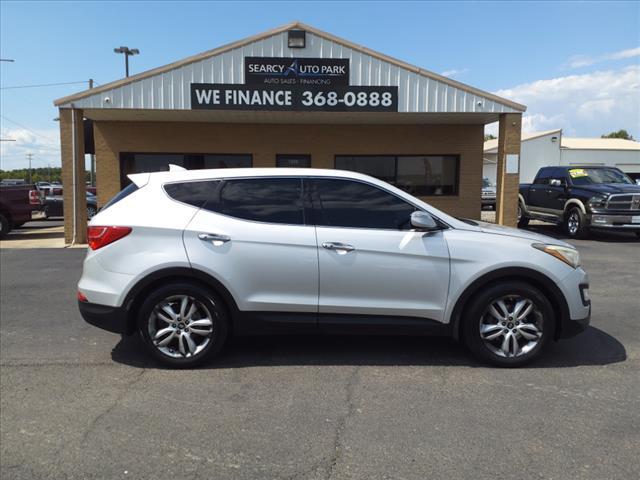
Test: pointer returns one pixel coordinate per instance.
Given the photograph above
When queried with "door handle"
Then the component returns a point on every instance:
(340, 248)
(214, 238)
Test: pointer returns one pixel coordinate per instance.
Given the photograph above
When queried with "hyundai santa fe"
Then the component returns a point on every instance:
(188, 258)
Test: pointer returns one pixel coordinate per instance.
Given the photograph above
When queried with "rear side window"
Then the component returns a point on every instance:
(272, 200)
(544, 175)
(192, 193)
(125, 192)
(345, 203)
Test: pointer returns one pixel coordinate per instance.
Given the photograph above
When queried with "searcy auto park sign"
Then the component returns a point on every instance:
(294, 84)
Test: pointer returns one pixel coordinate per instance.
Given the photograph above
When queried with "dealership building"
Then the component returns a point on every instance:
(292, 97)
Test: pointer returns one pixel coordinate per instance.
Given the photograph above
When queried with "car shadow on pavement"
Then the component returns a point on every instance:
(594, 235)
(592, 347)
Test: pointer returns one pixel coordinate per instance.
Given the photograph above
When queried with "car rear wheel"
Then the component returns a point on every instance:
(91, 211)
(5, 226)
(575, 223)
(523, 221)
(509, 324)
(183, 324)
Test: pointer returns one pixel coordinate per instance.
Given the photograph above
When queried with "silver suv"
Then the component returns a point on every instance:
(186, 258)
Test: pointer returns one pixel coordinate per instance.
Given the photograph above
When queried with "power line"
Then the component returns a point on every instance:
(27, 128)
(42, 85)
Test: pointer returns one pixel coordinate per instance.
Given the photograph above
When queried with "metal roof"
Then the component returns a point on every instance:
(599, 144)
(167, 87)
(491, 146)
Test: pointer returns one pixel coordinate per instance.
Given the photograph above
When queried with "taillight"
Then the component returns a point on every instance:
(98, 237)
(34, 197)
(82, 297)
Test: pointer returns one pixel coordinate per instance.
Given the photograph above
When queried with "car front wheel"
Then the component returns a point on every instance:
(183, 324)
(575, 223)
(509, 324)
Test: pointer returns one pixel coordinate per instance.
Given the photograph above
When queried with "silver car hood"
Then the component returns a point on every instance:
(518, 233)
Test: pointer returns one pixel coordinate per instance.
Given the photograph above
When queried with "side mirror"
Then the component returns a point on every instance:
(424, 221)
(554, 182)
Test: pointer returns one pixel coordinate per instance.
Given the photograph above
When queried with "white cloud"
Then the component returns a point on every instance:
(43, 144)
(454, 72)
(582, 105)
(579, 61)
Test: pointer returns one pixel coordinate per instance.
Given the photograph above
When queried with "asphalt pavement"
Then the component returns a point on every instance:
(78, 402)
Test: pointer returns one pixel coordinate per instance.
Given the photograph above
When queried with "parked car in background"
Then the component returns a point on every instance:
(16, 204)
(188, 257)
(488, 194)
(580, 198)
(53, 205)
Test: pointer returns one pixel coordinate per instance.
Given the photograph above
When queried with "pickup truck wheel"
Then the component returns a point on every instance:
(522, 220)
(183, 324)
(575, 223)
(5, 226)
(508, 324)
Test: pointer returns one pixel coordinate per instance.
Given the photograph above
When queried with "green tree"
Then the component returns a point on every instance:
(619, 134)
(489, 137)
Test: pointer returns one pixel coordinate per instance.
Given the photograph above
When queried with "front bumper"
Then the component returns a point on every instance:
(571, 328)
(112, 319)
(621, 222)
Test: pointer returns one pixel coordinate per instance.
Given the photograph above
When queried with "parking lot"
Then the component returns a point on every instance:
(78, 402)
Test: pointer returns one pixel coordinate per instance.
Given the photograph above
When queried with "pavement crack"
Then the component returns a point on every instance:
(118, 399)
(337, 445)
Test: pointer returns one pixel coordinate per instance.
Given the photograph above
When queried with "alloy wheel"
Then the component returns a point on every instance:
(511, 326)
(573, 223)
(180, 326)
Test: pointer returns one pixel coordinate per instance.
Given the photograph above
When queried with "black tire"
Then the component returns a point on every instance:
(523, 221)
(5, 226)
(91, 211)
(575, 223)
(476, 315)
(210, 305)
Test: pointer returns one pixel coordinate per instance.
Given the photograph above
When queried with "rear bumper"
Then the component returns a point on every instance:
(112, 319)
(617, 222)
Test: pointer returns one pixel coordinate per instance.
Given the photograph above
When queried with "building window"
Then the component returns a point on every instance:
(420, 175)
(158, 162)
(293, 161)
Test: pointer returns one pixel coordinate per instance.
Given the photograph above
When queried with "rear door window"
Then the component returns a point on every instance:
(271, 200)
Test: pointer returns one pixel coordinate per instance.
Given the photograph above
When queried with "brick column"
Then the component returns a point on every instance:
(507, 183)
(70, 127)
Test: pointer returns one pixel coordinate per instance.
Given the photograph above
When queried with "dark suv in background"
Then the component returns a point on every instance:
(580, 198)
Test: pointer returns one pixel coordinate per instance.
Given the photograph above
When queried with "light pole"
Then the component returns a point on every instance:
(127, 52)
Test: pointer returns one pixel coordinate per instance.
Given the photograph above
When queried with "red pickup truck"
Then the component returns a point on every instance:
(16, 204)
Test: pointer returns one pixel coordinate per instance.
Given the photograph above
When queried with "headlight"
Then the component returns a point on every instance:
(599, 201)
(568, 255)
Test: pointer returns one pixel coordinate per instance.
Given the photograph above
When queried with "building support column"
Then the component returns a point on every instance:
(73, 176)
(508, 172)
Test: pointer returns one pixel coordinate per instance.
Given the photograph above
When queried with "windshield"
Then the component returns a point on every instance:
(590, 176)
(486, 182)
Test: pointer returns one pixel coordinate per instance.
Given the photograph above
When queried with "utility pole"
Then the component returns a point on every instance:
(127, 52)
(29, 156)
